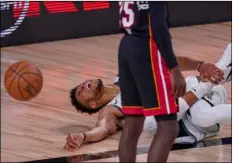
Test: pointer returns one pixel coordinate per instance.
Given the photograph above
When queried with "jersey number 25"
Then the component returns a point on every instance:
(126, 14)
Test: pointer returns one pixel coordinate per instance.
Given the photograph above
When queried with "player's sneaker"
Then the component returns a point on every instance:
(217, 95)
(225, 64)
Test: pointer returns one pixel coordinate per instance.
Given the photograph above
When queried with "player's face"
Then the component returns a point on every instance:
(89, 91)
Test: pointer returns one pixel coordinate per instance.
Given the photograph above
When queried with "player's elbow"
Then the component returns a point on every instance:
(159, 31)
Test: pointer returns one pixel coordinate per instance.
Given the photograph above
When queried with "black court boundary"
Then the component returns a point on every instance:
(140, 150)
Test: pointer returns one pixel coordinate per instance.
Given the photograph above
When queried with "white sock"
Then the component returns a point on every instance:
(183, 107)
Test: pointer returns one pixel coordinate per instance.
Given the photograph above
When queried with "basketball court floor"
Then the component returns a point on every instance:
(37, 129)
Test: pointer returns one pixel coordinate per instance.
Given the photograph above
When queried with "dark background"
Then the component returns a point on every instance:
(60, 26)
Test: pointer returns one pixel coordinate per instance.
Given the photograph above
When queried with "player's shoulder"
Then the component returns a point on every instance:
(113, 107)
(111, 110)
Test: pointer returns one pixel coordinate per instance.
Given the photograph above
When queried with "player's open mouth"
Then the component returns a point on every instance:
(100, 85)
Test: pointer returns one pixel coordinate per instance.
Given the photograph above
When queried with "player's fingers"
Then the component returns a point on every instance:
(75, 141)
(65, 146)
(78, 140)
(218, 76)
(71, 142)
(217, 79)
(212, 80)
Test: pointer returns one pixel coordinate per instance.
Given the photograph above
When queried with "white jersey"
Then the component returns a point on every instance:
(189, 133)
(116, 102)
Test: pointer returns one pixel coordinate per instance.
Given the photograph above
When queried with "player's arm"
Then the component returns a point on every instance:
(106, 125)
(160, 32)
(161, 35)
(188, 64)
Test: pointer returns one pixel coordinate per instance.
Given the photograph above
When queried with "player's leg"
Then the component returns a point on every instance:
(211, 109)
(153, 81)
(131, 107)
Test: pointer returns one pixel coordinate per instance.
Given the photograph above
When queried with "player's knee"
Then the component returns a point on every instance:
(221, 95)
(168, 127)
(199, 119)
(133, 125)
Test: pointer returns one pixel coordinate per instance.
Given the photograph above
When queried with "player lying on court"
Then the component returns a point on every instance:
(201, 110)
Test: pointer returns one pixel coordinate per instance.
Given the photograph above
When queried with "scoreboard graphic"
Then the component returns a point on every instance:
(41, 18)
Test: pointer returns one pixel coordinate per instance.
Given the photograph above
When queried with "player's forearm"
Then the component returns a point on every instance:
(96, 134)
(187, 64)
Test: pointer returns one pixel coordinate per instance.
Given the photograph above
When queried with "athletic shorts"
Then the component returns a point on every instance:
(144, 79)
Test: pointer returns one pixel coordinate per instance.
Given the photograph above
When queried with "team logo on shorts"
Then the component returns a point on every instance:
(12, 26)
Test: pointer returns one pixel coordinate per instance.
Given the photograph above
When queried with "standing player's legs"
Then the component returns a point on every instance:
(152, 78)
(131, 107)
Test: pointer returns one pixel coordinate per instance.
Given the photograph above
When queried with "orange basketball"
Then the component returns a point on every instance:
(23, 81)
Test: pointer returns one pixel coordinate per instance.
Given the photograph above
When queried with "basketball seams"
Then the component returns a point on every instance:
(29, 84)
(17, 73)
(11, 74)
(32, 74)
(12, 70)
(20, 88)
(16, 80)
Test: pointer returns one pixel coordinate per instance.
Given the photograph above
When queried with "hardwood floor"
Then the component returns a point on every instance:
(37, 129)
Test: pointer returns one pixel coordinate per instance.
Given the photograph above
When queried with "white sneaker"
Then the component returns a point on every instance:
(217, 95)
(225, 63)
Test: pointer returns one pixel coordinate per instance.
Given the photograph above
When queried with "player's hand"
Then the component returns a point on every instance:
(178, 82)
(209, 72)
(74, 141)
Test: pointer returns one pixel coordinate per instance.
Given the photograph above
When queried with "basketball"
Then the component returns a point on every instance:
(23, 81)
